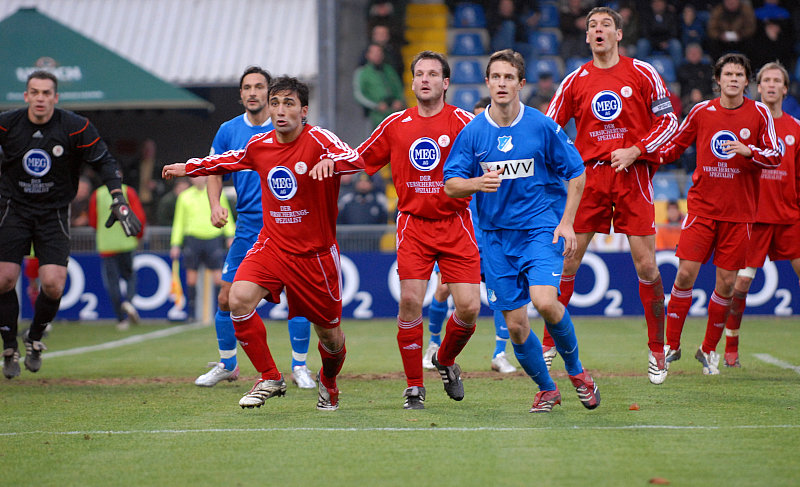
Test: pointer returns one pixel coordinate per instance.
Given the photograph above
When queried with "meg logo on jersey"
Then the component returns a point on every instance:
(36, 162)
(720, 138)
(282, 183)
(424, 154)
(606, 105)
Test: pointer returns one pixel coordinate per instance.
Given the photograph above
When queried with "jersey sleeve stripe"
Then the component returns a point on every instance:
(378, 132)
(89, 144)
(81, 130)
(558, 98)
(688, 120)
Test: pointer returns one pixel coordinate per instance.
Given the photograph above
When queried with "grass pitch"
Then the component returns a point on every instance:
(131, 415)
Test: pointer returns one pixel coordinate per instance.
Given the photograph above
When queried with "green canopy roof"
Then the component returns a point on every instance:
(90, 77)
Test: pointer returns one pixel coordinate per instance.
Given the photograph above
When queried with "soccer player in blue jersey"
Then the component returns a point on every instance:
(232, 135)
(516, 160)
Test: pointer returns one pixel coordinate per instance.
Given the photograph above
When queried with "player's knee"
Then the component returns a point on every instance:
(238, 304)
(550, 309)
(647, 270)
(410, 307)
(52, 290)
(468, 310)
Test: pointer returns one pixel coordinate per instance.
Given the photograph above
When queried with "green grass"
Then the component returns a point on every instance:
(132, 416)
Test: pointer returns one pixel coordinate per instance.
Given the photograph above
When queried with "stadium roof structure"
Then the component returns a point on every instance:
(90, 76)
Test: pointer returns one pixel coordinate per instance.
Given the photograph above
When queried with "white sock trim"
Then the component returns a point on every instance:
(299, 357)
(227, 353)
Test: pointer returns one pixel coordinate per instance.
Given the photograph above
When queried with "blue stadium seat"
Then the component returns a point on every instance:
(550, 17)
(687, 183)
(546, 43)
(467, 44)
(550, 64)
(464, 98)
(467, 72)
(665, 67)
(796, 73)
(574, 63)
(666, 187)
(469, 15)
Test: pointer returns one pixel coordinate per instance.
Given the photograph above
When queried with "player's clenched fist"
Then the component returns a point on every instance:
(173, 170)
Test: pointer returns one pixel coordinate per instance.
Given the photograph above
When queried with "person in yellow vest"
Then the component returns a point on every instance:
(201, 242)
(116, 252)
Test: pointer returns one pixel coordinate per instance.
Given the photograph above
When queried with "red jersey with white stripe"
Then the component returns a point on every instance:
(299, 212)
(417, 147)
(725, 186)
(627, 104)
(778, 200)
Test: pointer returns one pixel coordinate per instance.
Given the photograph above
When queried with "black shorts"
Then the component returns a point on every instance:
(47, 229)
(210, 253)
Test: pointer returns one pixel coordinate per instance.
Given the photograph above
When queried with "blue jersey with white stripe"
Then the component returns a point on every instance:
(536, 157)
(234, 135)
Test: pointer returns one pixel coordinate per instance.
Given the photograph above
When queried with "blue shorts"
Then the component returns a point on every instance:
(247, 230)
(514, 260)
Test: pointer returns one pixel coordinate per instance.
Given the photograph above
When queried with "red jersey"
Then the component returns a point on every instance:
(627, 104)
(417, 147)
(299, 212)
(779, 194)
(725, 186)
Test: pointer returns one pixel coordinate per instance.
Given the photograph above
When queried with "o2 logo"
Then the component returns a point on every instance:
(606, 105)
(424, 154)
(282, 183)
(718, 139)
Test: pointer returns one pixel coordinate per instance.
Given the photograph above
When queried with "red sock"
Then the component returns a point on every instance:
(652, 296)
(734, 321)
(567, 288)
(409, 340)
(331, 364)
(718, 309)
(457, 334)
(252, 335)
(679, 304)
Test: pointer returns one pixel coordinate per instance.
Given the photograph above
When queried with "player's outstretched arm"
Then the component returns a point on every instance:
(219, 214)
(176, 170)
(323, 169)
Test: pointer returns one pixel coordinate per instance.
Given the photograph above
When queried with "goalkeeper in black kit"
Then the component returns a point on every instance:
(43, 150)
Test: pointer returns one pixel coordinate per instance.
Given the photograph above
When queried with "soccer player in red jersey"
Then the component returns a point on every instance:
(299, 166)
(431, 227)
(777, 229)
(735, 139)
(623, 115)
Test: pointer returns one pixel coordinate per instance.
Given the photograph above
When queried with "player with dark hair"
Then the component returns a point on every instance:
(430, 226)
(777, 229)
(234, 135)
(623, 115)
(517, 160)
(44, 149)
(735, 139)
(299, 166)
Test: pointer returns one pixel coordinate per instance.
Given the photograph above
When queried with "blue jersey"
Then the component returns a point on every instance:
(234, 135)
(536, 157)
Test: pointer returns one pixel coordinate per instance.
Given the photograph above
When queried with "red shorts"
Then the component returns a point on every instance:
(728, 241)
(625, 197)
(312, 282)
(450, 241)
(780, 242)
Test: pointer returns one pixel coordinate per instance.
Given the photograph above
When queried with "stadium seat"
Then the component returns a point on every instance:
(665, 67)
(545, 42)
(574, 63)
(549, 64)
(550, 17)
(467, 71)
(666, 187)
(467, 44)
(469, 15)
(464, 98)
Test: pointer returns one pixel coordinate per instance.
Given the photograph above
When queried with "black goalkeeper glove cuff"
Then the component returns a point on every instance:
(122, 212)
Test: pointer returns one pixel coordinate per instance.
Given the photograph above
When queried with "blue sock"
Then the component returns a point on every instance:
(436, 315)
(299, 335)
(563, 334)
(226, 338)
(501, 333)
(529, 355)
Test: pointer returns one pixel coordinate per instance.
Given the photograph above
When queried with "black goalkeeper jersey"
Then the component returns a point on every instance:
(41, 164)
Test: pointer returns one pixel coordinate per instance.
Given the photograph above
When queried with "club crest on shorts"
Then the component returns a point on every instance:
(282, 183)
(504, 143)
(424, 154)
(36, 162)
(718, 139)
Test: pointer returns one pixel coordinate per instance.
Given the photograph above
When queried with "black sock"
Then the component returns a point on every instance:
(44, 311)
(9, 314)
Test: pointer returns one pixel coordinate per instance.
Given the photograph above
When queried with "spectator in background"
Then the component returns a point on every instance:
(667, 233)
(774, 42)
(79, 208)
(391, 14)
(731, 26)
(510, 22)
(542, 93)
(165, 213)
(658, 26)
(693, 29)
(381, 35)
(148, 185)
(772, 10)
(116, 252)
(696, 77)
(572, 15)
(377, 87)
(630, 26)
(365, 205)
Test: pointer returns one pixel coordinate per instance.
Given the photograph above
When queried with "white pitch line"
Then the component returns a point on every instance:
(126, 341)
(765, 357)
(406, 430)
